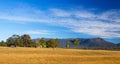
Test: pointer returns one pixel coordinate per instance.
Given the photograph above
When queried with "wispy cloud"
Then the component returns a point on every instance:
(59, 12)
(105, 24)
(36, 32)
(97, 28)
(84, 14)
(111, 15)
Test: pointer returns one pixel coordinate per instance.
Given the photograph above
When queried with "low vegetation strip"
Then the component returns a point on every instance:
(23, 55)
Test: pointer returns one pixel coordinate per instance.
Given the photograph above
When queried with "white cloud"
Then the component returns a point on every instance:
(111, 15)
(84, 14)
(100, 29)
(59, 12)
(105, 24)
(36, 32)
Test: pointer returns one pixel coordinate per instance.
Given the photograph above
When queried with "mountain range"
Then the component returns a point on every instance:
(94, 43)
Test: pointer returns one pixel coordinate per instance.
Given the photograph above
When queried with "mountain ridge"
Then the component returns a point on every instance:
(86, 43)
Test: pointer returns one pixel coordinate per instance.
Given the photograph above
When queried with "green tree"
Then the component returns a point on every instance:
(38, 43)
(18, 41)
(43, 42)
(76, 42)
(57, 42)
(26, 40)
(10, 41)
(53, 43)
(2, 43)
(67, 44)
(15, 40)
(33, 44)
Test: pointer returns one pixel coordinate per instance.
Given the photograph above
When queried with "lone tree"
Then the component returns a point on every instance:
(67, 44)
(76, 42)
(53, 43)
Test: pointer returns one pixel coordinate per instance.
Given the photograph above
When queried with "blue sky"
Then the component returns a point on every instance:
(61, 19)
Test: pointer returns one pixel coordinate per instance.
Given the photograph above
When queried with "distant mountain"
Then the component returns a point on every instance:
(88, 43)
(96, 43)
(118, 44)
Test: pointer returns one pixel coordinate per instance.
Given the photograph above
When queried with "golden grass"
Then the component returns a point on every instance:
(57, 56)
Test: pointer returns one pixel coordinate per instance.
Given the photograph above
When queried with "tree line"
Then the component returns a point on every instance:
(26, 41)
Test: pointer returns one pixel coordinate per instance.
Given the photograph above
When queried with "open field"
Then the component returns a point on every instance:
(57, 56)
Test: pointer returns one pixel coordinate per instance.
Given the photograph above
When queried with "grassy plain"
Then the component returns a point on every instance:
(57, 56)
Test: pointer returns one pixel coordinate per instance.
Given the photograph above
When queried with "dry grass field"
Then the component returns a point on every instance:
(57, 56)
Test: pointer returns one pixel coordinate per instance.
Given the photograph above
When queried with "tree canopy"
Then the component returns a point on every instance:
(53, 43)
(76, 42)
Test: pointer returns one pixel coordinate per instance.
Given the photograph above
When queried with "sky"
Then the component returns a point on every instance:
(61, 19)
